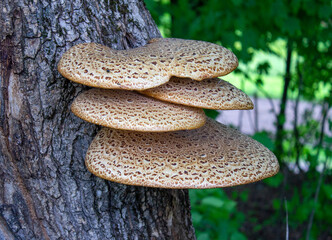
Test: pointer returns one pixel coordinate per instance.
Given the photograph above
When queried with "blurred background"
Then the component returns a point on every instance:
(284, 50)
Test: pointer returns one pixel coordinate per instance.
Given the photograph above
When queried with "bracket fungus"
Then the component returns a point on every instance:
(130, 110)
(154, 139)
(208, 157)
(145, 67)
(211, 93)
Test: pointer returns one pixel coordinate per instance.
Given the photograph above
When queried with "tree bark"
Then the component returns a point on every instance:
(45, 190)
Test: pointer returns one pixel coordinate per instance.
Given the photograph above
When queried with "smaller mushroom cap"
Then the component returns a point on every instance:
(145, 67)
(211, 93)
(209, 157)
(129, 110)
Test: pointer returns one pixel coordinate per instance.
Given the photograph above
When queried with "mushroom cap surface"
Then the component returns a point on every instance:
(145, 67)
(211, 93)
(130, 110)
(209, 157)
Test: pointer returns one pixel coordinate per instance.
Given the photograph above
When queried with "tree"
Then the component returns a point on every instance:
(46, 191)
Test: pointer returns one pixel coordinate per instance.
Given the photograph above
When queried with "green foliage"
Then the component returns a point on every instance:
(274, 181)
(211, 113)
(215, 216)
(265, 139)
(247, 27)
(261, 33)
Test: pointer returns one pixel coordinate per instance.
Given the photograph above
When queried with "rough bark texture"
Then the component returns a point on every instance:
(45, 190)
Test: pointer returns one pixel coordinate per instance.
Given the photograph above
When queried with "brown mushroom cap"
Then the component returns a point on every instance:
(145, 67)
(129, 110)
(208, 157)
(211, 93)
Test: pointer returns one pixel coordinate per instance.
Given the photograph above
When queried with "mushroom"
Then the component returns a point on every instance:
(211, 93)
(145, 67)
(130, 110)
(209, 157)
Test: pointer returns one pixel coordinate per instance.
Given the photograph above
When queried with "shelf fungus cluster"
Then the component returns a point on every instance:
(150, 101)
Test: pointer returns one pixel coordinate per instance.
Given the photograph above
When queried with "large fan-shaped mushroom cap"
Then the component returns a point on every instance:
(211, 93)
(145, 67)
(129, 110)
(208, 157)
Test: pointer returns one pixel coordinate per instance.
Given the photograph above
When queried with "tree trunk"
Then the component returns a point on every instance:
(45, 190)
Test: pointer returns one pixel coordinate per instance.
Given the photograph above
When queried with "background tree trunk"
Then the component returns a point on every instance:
(45, 190)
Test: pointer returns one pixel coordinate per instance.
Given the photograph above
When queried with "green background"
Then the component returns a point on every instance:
(284, 50)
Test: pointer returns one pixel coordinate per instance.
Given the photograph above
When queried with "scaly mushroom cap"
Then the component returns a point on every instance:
(145, 67)
(211, 93)
(208, 157)
(129, 110)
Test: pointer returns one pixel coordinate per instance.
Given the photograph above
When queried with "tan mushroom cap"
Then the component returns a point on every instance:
(129, 110)
(145, 67)
(211, 93)
(208, 157)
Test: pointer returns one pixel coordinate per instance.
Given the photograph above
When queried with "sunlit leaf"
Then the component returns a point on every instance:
(213, 201)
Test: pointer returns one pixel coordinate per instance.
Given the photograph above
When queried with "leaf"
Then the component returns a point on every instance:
(196, 217)
(238, 236)
(276, 204)
(237, 2)
(263, 67)
(203, 236)
(325, 12)
(274, 181)
(328, 139)
(291, 26)
(230, 205)
(264, 139)
(327, 189)
(213, 201)
(259, 82)
(211, 113)
(244, 196)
